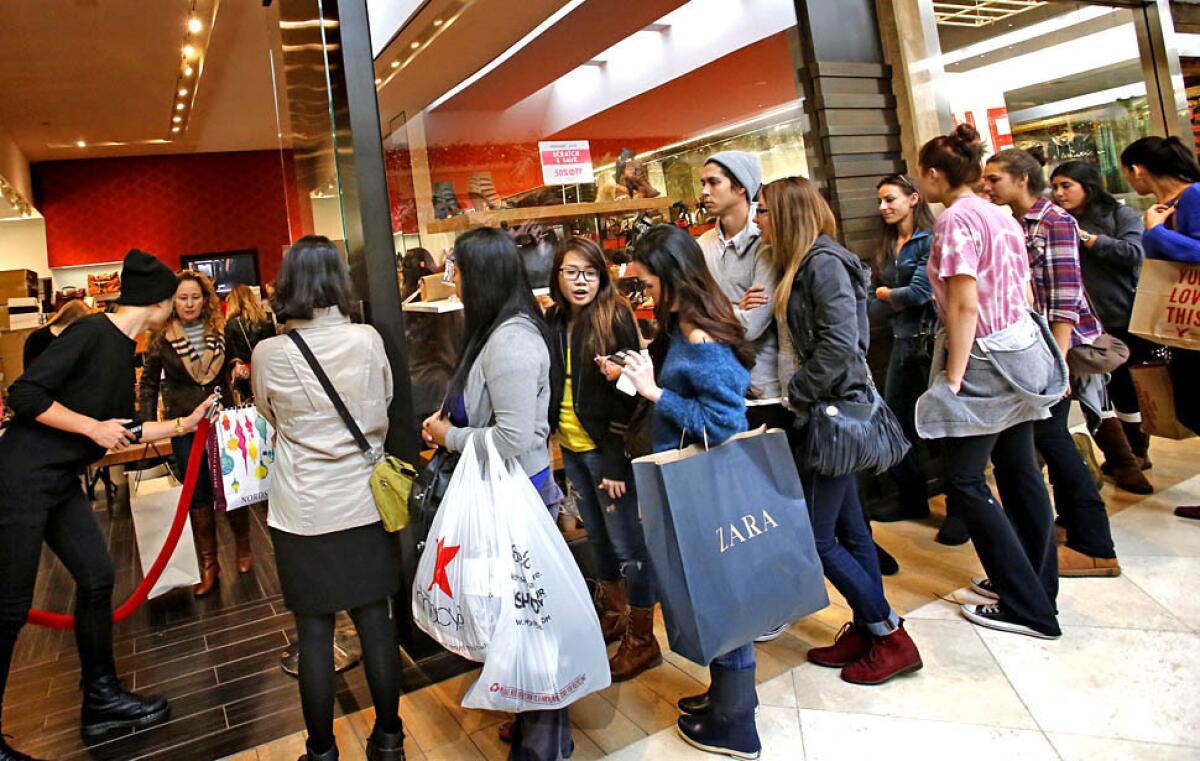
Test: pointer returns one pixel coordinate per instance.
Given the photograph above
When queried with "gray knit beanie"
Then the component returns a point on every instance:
(743, 167)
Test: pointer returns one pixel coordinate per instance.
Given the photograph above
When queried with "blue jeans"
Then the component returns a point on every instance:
(846, 549)
(614, 528)
(738, 659)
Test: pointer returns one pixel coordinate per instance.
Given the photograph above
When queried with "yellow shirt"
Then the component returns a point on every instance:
(571, 433)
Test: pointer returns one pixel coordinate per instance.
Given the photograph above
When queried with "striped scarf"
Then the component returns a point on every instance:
(203, 366)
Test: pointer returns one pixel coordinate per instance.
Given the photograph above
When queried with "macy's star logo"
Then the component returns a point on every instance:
(444, 556)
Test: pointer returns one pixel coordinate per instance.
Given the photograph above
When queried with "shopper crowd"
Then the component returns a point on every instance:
(1007, 306)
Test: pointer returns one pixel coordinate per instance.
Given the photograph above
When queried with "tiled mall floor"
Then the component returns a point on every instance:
(1122, 682)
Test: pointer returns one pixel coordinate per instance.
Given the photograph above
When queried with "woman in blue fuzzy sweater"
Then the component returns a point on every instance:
(699, 395)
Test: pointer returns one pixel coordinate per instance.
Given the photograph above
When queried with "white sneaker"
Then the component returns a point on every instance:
(993, 617)
(774, 634)
(982, 586)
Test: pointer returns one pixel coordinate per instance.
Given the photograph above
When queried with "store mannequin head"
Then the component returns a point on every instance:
(313, 276)
(795, 215)
(1014, 177)
(583, 289)
(196, 300)
(949, 164)
(1155, 160)
(1078, 188)
(671, 265)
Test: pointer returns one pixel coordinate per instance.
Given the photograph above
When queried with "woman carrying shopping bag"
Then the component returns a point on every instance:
(822, 301)
(331, 549)
(996, 371)
(590, 320)
(1166, 169)
(502, 388)
(246, 324)
(698, 393)
(186, 362)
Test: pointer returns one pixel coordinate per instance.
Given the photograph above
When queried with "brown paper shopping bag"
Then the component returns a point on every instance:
(1156, 398)
(1166, 309)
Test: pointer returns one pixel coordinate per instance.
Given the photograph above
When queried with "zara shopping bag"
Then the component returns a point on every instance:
(152, 505)
(496, 583)
(241, 456)
(1166, 309)
(732, 544)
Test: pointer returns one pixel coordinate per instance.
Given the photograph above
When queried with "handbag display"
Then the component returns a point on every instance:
(850, 437)
(391, 478)
(1103, 355)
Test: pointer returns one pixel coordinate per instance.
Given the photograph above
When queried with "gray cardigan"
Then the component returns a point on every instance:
(1112, 266)
(508, 392)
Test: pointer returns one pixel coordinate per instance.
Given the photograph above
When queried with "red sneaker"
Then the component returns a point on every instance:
(888, 657)
(851, 643)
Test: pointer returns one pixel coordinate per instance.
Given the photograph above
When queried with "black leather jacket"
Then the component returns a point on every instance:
(827, 319)
(603, 411)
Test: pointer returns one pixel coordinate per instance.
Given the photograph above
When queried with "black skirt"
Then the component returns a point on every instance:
(326, 573)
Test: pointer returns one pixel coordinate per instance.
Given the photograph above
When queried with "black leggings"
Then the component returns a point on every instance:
(58, 514)
(381, 659)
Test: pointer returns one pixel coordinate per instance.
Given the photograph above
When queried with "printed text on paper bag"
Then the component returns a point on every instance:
(1183, 305)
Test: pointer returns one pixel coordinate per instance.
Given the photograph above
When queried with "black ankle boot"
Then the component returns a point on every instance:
(310, 755)
(9, 754)
(384, 746)
(107, 707)
(728, 727)
(888, 566)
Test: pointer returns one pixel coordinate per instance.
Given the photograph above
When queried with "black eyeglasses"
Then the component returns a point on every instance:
(572, 274)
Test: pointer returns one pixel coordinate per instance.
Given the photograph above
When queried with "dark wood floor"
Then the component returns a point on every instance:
(216, 659)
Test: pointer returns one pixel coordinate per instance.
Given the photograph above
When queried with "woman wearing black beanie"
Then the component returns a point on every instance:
(74, 404)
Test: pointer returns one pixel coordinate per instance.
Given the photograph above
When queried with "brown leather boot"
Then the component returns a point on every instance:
(639, 647)
(1119, 457)
(239, 521)
(204, 529)
(1139, 442)
(614, 610)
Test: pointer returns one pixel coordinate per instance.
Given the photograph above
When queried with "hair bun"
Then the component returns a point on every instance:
(965, 134)
(1037, 153)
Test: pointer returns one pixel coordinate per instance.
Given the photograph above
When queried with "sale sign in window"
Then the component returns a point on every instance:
(566, 162)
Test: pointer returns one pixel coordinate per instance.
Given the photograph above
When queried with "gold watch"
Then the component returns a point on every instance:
(179, 428)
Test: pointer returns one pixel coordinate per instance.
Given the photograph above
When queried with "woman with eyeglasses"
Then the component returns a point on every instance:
(590, 321)
(903, 287)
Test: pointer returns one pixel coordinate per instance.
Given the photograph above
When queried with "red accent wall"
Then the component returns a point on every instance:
(98, 209)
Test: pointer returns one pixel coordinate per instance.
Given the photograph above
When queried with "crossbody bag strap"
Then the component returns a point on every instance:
(326, 384)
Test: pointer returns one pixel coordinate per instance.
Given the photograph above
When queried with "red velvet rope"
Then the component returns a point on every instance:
(59, 621)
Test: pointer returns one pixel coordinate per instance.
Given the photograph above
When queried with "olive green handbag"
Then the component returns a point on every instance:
(392, 478)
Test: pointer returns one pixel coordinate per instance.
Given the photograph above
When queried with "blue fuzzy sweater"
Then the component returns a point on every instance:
(1183, 243)
(704, 392)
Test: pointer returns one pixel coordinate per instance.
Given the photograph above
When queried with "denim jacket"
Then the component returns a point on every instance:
(907, 276)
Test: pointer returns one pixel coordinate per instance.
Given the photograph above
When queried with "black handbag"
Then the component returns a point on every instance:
(427, 493)
(841, 438)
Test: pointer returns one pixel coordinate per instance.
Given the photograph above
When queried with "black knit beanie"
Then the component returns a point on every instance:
(145, 280)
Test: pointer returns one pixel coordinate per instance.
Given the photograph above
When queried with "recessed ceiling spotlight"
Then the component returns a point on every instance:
(176, 129)
(437, 22)
(189, 51)
(378, 81)
(179, 106)
(415, 45)
(81, 143)
(194, 25)
(189, 71)
(177, 119)
(182, 91)
(395, 64)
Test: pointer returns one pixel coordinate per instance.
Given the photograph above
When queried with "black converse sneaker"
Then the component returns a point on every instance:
(982, 586)
(994, 617)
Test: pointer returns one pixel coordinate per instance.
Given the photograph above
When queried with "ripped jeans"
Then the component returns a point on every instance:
(614, 527)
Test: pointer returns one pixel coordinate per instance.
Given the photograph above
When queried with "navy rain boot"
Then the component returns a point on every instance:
(728, 727)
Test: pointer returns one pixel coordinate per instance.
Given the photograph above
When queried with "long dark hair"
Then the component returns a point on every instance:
(955, 155)
(922, 217)
(1162, 157)
(673, 256)
(493, 288)
(597, 319)
(1097, 201)
(313, 276)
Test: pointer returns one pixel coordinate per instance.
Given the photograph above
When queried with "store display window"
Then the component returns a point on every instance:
(1064, 76)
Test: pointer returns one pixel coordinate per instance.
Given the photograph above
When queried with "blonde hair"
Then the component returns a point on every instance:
(799, 214)
(69, 313)
(242, 301)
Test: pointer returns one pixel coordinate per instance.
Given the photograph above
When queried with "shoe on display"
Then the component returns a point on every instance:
(1072, 564)
(8, 753)
(385, 746)
(108, 707)
(992, 616)
(888, 565)
(852, 642)
(953, 532)
(982, 586)
(889, 656)
(1188, 511)
(773, 634)
(728, 727)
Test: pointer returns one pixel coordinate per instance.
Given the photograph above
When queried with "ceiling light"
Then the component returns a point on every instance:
(194, 25)
(182, 91)
(189, 71)
(177, 119)
(415, 45)
(189, 51)
(179, 106)
(378, 81)
(176, 129)
(80, 144)
(395, 64)
(437, 22)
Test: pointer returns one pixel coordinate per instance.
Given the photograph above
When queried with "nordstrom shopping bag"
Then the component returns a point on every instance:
(1166, 309)
(152, 504)
(1156, 400)
(241, 456)
(496, 583)
(732, 544)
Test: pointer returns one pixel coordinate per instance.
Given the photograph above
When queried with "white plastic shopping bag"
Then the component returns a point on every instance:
(241, 456)
(496, 583)
(153, 503)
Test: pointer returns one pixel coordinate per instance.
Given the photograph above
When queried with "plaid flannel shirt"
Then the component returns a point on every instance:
(1052, 241)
